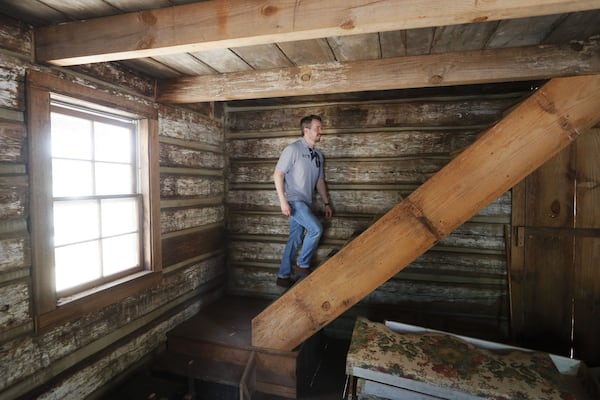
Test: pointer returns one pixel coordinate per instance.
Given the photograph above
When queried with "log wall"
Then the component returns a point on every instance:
(77, 359)
(377, 152)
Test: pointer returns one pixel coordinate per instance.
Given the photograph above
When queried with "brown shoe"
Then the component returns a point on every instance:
(303, 271)
(285, 282)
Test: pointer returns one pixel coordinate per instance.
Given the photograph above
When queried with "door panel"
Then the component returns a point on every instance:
(555, 254)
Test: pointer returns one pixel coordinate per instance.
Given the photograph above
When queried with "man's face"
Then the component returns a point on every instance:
(313, 134)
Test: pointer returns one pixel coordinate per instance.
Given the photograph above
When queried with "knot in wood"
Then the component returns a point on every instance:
(268, 10)
(436, 79)
(348, 25)
(326, 306)
(146, 43)
(147, 17)
(305, 77)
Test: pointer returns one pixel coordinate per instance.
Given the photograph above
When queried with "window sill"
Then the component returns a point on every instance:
(92, 300)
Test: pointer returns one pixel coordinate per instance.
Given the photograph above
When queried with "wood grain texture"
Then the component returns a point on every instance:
(214, 24)
(456, 68)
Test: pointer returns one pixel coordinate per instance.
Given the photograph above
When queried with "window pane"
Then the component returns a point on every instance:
(71, 137)
(77, 264)
(119, 216)
(75, 221)
(113, 143)
(71, 178)
(120, 253)
(114, 179)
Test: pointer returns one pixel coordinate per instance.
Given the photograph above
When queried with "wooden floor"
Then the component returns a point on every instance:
(212, 348)
(227, 321)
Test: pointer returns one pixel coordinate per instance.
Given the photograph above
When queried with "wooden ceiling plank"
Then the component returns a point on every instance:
(393, 44)
(263, 56)
(356, 47)
(185, 63)
(312, 51)
(237, 23)
(460, 68)
(532, 133)
(222, 60)
(522, 31)
(463, 37)
(576, 26)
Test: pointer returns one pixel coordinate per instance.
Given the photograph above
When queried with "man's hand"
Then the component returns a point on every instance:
(286, 209)
(328, 212)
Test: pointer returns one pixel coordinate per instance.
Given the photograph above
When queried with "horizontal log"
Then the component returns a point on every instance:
(428, 112)
(347, 201)
(16, 36)
(184, 186)
(261, 282)
(446, 69)
(12, 74)
(180, 248)
(362, 145)
(14, 196)
(14, 306)
(189, 126)
(118, 74)
(15, 251)
(385, 171)
(13, 142)
(178, 156)
(172, 220)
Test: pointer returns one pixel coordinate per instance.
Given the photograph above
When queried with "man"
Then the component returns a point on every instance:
(298, 171)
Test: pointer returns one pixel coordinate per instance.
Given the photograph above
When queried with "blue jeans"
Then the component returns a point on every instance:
(302, 218)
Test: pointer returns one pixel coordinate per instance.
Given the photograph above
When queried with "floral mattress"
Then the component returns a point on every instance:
(446, 366)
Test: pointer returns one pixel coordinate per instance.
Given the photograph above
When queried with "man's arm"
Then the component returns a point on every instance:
(278, 177)
(322, 189)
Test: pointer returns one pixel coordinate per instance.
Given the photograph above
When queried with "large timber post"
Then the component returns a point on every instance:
(549, 120)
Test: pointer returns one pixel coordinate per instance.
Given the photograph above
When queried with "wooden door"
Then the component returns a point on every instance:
(555, 271)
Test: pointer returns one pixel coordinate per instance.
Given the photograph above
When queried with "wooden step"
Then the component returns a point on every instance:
(215, 346)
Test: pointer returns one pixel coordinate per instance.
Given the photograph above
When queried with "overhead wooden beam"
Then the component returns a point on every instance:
(235, 23)
(499, 65)
(532, 133)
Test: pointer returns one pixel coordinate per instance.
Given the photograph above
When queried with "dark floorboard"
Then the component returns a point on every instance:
(327, 383)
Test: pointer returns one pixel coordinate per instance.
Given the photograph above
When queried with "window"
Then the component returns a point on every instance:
(94, 202)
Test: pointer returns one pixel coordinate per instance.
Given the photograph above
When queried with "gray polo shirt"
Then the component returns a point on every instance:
(302, 171)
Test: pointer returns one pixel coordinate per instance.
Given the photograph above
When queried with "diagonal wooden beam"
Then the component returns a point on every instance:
(459, 68)
(532, 133)
(235, 23)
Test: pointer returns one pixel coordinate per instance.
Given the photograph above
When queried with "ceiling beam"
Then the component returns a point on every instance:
(459, 68)
(235, 23)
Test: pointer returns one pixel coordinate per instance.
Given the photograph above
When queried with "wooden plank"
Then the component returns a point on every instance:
(443, 112)
(463, 37)
(586, 297)
(248, 381)
(543, 294)
(307, 51)
(219, 24)
(222, 60)
(183, 247)
(263, 56)
(522, 31)
(355, 47)
(459, 68)
(543, 124)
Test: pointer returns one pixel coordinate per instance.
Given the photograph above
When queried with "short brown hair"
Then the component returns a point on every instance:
(306, 121)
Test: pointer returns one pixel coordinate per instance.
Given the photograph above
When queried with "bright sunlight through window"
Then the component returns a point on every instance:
(96, 197)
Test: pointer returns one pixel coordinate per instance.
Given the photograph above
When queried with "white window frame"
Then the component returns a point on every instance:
(50, 309)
